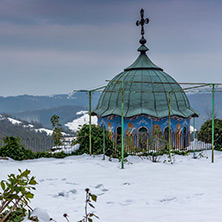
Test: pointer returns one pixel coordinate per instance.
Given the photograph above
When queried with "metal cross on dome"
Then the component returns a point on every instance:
(142, 21)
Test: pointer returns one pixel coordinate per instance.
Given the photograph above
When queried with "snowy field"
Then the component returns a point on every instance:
(188, 190)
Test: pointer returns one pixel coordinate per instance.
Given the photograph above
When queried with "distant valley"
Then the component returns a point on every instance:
(39, 109)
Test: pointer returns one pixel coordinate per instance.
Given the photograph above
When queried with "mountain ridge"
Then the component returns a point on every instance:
(41, 108)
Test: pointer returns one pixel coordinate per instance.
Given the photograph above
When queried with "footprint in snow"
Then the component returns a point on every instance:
(66, 194)
(126, 183)
(127, 202)
(71, 183)
(110, 202)
(98, 186)
(105, 190)
(168, 199)
(101, 187)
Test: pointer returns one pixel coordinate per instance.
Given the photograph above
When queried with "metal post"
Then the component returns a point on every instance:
(90, 123)
(104, 140)
(169, 127)
(213, 88)
(194, 135)
(122, 126)
(152, 145)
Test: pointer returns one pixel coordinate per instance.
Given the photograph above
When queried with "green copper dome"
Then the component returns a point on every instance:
(147, 96)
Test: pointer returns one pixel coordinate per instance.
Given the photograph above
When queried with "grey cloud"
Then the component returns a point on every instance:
(66, 45)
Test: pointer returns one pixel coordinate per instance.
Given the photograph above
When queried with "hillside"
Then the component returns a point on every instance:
(66, 113)
(41, 108)
(33, 136)
(23, 103)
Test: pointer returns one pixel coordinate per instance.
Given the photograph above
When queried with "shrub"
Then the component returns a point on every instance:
(16, 195)
(205, 134)
(57, 130)
(14, 149)
(82, 138)
(60, 155)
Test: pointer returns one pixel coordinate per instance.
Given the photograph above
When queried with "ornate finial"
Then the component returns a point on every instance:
(141, 22)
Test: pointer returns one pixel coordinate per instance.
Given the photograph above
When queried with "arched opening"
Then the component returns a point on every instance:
(118, 134)
(184, 137)
(157, 140)
(130, 137)
(143, 137)
(166, 137)
(178, 136)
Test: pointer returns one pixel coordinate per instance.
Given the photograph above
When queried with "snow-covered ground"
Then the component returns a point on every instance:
(188, 190)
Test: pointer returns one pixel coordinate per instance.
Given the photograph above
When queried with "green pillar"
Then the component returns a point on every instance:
(104, 140)
(152, 145)
(194, 137)
(169, 101)
(122, 126)
(213, 88)
(90, 123)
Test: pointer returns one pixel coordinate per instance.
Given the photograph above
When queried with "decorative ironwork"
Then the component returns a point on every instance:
(142, 21)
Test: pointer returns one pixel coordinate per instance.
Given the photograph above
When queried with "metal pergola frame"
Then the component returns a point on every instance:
(194, 86)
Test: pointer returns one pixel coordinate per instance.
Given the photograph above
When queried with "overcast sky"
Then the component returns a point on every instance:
(57, 46)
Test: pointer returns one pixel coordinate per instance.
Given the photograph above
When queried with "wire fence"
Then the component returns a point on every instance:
(45, 144)
(177, 140)
(138, 144)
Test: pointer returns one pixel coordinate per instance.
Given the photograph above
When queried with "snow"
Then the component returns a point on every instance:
(192, 129)
(48, 131)
(14, 121)
(40, 213)
(81, 112)
(188, 190)
(84, 119)
(2, 117)
(66, 148)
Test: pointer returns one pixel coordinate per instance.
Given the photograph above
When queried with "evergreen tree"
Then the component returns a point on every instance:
(57, 130)
(205, 133)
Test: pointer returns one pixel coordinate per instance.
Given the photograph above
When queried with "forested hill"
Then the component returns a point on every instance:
(23, 103)
(66, 114)
(13, 127)
(41, 108)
